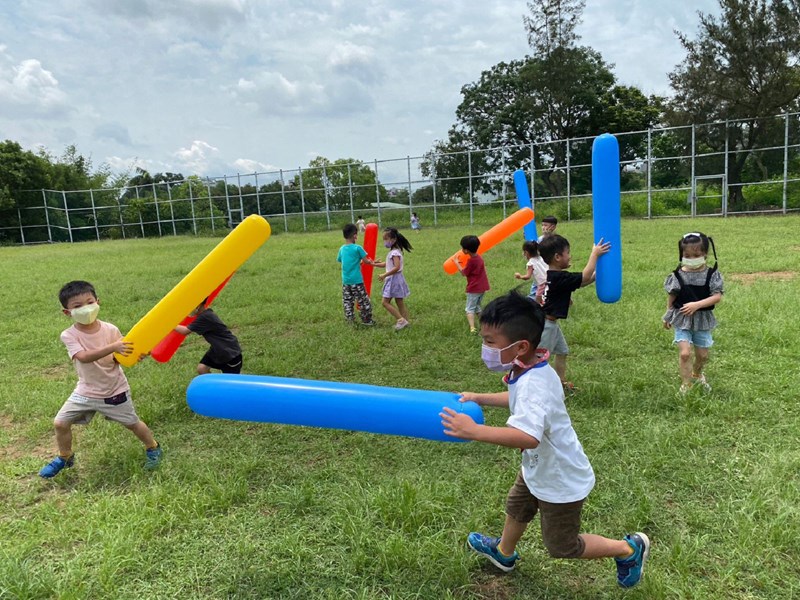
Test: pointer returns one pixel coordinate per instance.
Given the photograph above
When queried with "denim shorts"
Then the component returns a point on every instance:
(474, 303)
(700, 338)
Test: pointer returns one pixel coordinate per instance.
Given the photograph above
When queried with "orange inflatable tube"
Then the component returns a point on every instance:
(491, 238)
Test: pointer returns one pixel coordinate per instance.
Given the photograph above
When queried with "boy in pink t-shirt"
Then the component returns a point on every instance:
(477, 280)
(102, 386)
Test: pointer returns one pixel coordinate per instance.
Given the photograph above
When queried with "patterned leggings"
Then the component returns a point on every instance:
(356, 293)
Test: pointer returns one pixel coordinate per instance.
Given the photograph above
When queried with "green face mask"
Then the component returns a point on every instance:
(85, 315)
(693, 263)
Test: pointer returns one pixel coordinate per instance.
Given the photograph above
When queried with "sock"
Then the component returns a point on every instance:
(154, 447)
(503, 554)
(66, 456)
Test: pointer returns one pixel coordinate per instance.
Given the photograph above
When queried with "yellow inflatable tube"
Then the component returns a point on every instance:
(223, 260)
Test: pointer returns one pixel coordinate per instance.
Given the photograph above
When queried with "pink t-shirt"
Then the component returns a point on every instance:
(102, 378)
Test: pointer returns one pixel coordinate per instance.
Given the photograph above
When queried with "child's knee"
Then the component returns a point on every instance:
(62, 425)
(685, 354)
(203, 369)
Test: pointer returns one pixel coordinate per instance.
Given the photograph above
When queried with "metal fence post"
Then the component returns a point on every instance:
(785, 158)
(302, 198)
(158, 211)
(141, 221)
(350, 190)
(283, 199)
(694, 185)
(569, 182)
(649, 164)
(503, 175)
(325, 183)
(378, 193)
(725, 181)
(171, 211)
(211, 207)
(258, 198)
(119, 209)
(469, 176)
(191, 205)
(47, 217)
(435, 222)
(21, 231)
(94, 215)
(533, 180)
(410, 203)
(66, 214)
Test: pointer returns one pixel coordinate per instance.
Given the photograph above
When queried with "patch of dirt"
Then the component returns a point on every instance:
(17, 448)
(56, 371)
(751, 278)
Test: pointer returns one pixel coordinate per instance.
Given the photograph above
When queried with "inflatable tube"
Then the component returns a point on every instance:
(350, 406)
(370, 246)
(525, 200)
(606, 216)
(227, 257)
(494, 236)
(166, 348)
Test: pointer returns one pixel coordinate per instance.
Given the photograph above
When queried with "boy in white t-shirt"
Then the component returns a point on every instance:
(556, 476)
(102, 386)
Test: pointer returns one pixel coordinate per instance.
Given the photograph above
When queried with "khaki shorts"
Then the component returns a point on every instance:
(79, 409)
(553, 338)
(561, 523)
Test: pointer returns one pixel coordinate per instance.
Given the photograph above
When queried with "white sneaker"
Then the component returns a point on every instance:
(402, 323)
(701, 381)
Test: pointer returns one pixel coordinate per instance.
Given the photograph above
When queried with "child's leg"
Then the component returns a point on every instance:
(512, 533)
(700, 360)
(63, 438)
(364, 304)
(471, 321)
(142, 431)
(402, 308)
(685, 362)
(348, 303)
(203, 369)
(560, 366)
(387, 304)
(597, 546)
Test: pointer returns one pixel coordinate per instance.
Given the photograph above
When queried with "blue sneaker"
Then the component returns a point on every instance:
(54, 467)
(153, 458)
(631, 570)
(488, 547)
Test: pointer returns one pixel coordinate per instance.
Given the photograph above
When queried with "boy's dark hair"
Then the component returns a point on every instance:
(348, 231)
(550, 219)
(551, 245)
(532, 248)
(470, 243)
(75, 288)
(690, 239)
(517, 316)
(402, 240)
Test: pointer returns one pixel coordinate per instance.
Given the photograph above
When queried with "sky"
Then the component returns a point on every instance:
(219, 87)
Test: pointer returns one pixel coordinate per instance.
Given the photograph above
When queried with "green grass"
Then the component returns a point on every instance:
(247, 510)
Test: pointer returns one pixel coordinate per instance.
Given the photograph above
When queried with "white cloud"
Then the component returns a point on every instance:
(130, 164)
(198, 158)
(28, 88)
(248, 165)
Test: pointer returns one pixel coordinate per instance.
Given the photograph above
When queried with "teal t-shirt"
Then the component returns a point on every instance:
(350, 256)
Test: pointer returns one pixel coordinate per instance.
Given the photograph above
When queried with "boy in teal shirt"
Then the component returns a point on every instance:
(351, 255)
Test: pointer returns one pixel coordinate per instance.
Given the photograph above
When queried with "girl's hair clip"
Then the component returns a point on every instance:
(692, 235)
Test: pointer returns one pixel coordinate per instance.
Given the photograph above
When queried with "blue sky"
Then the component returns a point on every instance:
(217, 87)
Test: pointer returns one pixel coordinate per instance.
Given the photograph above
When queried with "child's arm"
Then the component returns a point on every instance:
(458, 265)
(670, 301)
(395, 268)
(462, 426)
(120, 347)
(498, 399)
(525, 277)
(692, 307)
(597, 251)
(183, 330)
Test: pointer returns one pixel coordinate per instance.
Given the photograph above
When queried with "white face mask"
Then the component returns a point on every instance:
(693, 263)
(491, 358)
(86, 314)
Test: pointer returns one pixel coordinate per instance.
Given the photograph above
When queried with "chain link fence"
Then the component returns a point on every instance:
(711, 169)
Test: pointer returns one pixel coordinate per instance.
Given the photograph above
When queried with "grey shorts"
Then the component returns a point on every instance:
(474, 303)
(553, 338)
(561, 523)
(79, 410)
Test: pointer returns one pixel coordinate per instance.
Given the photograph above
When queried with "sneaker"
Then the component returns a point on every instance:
(684, 390)
(368, 323)
(631, 570)
(569, 387)
(54, 467)
(401, 324)
(701, 381)
(153, 458)
(487, 546)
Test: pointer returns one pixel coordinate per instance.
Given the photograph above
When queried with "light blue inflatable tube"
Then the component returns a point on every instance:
(525, 201)
(607, 220)
(334, 405)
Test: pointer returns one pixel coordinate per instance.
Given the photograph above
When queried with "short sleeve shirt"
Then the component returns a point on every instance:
(224, 345)
(350, 256)
(702, 320)
(539, 269)
(558, 291)
(475, 271)
(557, 470)
(102, 378)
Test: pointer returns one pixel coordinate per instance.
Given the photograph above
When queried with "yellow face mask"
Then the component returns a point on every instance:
(86, 314)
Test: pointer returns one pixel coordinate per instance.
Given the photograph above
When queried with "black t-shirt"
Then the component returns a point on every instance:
(224, 344)
(558, 290)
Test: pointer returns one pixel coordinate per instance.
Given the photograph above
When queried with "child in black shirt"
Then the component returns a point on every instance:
(556, 297)
(225, 353)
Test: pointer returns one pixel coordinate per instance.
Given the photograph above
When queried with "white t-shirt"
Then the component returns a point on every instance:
(104, 377)
(557, 470)
(539, 269)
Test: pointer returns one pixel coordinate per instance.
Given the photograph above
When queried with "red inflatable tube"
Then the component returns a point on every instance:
(370, 246)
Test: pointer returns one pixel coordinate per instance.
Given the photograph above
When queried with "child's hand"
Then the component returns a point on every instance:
(689, 308)
(667, 325)
(382, 276)
(458, 425)
(600, 248)
(122, 347)
(470, 397)
(517, 276)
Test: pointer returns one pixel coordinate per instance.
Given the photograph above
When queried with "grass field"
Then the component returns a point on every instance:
(246, 510)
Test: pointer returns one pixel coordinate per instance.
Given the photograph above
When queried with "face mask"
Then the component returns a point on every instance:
(491, 358)
(388, 244)
(86, 314)
(693, 263)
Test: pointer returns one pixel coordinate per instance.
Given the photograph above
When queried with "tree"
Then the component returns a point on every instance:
(743, 67)
(20, 170)
(337, 180)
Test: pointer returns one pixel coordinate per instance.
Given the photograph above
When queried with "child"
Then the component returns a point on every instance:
(556, 297)
(394, 282)
(102, 386)
(477, 280)
(536, 269)
(415, 222)
(361, 224)
(225, 353)
(693, 290)
(556, 476)
(549, 225)
(351, 255)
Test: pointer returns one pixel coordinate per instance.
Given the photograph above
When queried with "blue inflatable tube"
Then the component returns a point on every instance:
(334, 405)
(525, 201)
(607, 220)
